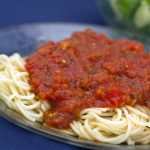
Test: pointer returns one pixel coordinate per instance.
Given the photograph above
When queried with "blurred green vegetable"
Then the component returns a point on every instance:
(133, 12)
(132, 15)
(123, 8)
(142, 14)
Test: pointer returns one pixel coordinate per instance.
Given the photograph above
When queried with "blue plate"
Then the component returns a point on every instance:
(24, 39)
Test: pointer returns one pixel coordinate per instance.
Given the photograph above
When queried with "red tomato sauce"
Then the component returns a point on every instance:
(88, 70)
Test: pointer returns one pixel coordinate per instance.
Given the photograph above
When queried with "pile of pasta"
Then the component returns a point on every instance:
(15, 90)
(128, 124)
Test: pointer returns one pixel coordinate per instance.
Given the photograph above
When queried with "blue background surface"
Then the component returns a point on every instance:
(25, 11)
(14, 12)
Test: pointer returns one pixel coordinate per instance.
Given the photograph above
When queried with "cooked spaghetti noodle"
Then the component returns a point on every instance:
(15, 89)
(129, 125)
(115, 126)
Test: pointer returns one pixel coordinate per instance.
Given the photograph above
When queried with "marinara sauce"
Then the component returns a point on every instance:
(88, 70)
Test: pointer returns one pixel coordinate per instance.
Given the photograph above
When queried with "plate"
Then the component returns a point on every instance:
(24, 39)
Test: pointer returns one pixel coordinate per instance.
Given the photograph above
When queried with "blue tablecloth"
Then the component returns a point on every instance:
(13, 12)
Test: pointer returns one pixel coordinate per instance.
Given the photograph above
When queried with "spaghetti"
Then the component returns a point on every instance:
(15, 89)
(128, 124)
(114, 126)
(88, 70)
